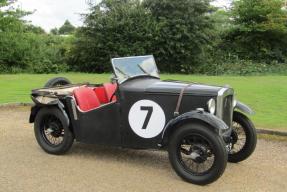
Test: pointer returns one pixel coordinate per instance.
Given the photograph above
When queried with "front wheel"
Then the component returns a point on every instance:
(197, 154)
(52, 131)
(243, 138)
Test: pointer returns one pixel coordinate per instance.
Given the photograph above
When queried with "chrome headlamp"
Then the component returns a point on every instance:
(211, 105)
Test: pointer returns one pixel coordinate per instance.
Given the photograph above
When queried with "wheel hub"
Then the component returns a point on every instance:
(198, 154)
(54, 129)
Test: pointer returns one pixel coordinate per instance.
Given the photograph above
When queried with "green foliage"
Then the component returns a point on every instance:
(114, 28)
(27, 48)
(66, 29)
(34, 29)
(174, 31)
(49, 53)
(185, 36)
(11, 28)
(222, 22)
(233, 66)
(184, 28)
(259, 32)
(10, 17)
(32, 53)
(54, 31)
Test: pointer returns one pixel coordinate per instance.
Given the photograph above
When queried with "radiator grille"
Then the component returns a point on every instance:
(227, 110)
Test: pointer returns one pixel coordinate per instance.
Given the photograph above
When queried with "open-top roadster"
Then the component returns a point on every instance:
(201, 126)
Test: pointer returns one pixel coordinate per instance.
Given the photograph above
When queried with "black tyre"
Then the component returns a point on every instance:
(56, 82)
(197, 154)
(244, 138)
(52, 131)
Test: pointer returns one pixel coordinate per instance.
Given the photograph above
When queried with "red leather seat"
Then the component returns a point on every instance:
(86, 98)
(101, 93)
(110, 89)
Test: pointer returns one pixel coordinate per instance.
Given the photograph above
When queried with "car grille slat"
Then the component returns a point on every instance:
(227, 110)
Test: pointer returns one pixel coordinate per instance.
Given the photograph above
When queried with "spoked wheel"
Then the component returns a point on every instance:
(243, 138)
(52, 131)
(238, 138)
(197, 154)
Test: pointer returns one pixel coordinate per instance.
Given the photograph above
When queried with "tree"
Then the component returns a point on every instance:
(184, 28)
(260, 30)
(24, 47)
(54, 31)
(10, 17)
(29, 28)
(11, 29)
(174, 31)
(222, 21)
(113, 28)
(67, 28)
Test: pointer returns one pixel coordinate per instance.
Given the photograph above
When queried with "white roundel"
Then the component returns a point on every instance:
(146, 118)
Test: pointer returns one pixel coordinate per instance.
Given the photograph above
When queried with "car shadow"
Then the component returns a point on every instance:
(151, 158)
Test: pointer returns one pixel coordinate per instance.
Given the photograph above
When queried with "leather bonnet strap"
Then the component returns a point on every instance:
(176, 112)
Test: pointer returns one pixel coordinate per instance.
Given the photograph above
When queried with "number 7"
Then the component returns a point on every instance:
(148, 116)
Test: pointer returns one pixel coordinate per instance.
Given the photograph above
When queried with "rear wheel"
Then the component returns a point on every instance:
(243, 138)
(197, 154)
(57, 82)
(52, 131)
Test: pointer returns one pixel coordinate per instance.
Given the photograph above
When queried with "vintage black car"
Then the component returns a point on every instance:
(201, 126)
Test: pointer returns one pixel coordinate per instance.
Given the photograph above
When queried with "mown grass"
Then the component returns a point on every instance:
(267, 95)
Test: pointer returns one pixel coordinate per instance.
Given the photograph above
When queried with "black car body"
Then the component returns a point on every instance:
(146, 111)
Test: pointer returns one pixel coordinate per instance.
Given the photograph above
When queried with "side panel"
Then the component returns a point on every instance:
(167, 103)
(129, 137)
(99, 126)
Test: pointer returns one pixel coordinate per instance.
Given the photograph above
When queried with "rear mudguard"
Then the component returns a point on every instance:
(216, 124)
(35, 109)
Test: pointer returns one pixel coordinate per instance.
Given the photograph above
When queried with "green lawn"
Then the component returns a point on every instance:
(267, 95)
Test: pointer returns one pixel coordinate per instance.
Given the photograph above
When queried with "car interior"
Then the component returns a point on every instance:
(89, 98)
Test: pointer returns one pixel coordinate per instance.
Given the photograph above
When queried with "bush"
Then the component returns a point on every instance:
(26, 48)
(14, 51)
(185, 36)
(34, 53)
(174, 31)
(259, 31)
(49, 53)
(241, 67)
(113, 29)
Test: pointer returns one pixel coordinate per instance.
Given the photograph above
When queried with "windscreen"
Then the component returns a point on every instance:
(128, 67)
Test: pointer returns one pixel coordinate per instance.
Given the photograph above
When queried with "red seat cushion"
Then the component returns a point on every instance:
(101, 93)
(110, 89)
(86, 98)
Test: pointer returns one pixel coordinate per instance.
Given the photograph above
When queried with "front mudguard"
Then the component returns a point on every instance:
(216, 124)
(243, 108)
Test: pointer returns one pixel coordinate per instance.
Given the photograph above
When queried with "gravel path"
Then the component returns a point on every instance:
(25, 167)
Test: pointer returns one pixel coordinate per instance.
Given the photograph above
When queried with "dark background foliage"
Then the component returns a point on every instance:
(175, 32)
(185, 36)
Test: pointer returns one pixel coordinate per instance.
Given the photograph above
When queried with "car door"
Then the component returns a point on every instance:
(98, 126)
